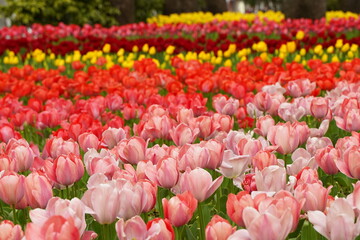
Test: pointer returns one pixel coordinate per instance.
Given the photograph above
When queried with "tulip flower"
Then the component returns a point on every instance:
(218, 229)
(9, 231)
(179, 209)
(134, 228)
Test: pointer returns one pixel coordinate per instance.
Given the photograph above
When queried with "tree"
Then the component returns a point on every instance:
(313, 9)
(179, 6)
(127, 10)
(216, 6)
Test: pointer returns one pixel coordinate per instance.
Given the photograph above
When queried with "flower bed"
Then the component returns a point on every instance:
(151, 142)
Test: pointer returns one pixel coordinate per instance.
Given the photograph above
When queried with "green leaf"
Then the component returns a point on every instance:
(308, 232)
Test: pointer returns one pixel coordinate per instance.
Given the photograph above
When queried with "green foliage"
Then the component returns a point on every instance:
(147, 8)
(26, 12)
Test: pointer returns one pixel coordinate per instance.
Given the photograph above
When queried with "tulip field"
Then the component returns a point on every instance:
(193, 126)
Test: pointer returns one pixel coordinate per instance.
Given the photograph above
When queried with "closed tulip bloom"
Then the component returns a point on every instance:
(264, 159)
(183, 134)
(266, 225)
(263, 101)
(20, 153)
(134, 228)
(218, 229)
(225, 106)
(303, 131)
(5, 163)
(284, 136)
(199, 182)
(300, 87)
(216, 152)
(88, 140)
(73, 208)
(68, 169)
(350, 121)
(193, 156)
(326, 159)
(319, 107)
(314, 143)
(180, 208)
(315, 196)
(235, 205)
(112, 136)
(349, 164)
(159, 228)
(12, 188)
(225, 122)
(57, 146)
(132, 150)
(38, 190)
(55, 228)
(340, 222)
(150, 194)
(307, 175)
(167, 172)
(207, 126)
(263, 125)
(9, 231)
(354, 197)
(271, 179)
(103, 202)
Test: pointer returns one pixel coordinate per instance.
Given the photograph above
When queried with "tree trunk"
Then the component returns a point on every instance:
(216, 6)
(127, 10)
(350, 5)
(179, 6)
(313, 9)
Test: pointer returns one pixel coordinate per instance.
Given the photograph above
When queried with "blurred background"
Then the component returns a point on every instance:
(119, 12)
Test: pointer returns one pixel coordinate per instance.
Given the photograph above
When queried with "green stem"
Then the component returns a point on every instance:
(1, 209)
(159, 203)
(178, 232)
(14, 214)
(67, 193)
(104, 231)
(201, 222)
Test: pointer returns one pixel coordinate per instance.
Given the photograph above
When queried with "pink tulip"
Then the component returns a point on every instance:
(301, 87)
(160, 229)
(67, 169)
(300, 159)
(303, 131)
(167, 172)
(225, 122)
(114, 102)
(263, 125)
(20, 153)
(9, 231)
(199, 183)
(112, 136)
(340, 222)
(38, 190)
(74, 209)
(12, 187)
(271, 179)
(235, 205)
(234, 165)
(185, 115)
(350, 121)
(131, 150)
(155, 153)
(284, 136)
(225, 106)
(349, 164)
(262, 101)
(55, 228)
(264, 159)
(150, 195)
(193, 156)
(319, 107)
(5, 163)
(290, 112)
(133, 198)
(57, 146)
(277, 100)
(307, 175)
(180, 208)
(354, 197)
(326, 159)
(206, 125)
(218, 229)
(7, 132)
(88, 140)
(315, 196)
(313, 144)
(103, 202)
(321, 131)
(266, 225)
(216, 152)
(183, 134)
(134, 228)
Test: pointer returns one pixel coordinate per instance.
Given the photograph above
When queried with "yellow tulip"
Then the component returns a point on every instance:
(300, 35)
(106, 48)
